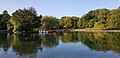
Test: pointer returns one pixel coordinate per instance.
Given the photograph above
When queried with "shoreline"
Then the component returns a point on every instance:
(81, 30)
(65, 30)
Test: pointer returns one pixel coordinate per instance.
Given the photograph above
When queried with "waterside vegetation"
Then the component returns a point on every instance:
(27, 19)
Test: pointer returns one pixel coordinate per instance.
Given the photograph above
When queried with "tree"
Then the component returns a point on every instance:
(49, 22)
(114, 19)
(81, 23)
(96, 19)
(4, 18)
(25, 20)
(69, 22)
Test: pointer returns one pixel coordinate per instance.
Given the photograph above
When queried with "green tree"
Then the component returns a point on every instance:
(4, 18)
(96, 19)
(25, 19)
(81, 23)
(49, 22)
(69, 22)
(114, 20)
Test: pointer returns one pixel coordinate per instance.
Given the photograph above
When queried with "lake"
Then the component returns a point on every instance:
(61, 45)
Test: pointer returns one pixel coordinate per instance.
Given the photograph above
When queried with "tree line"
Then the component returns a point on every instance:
(27, 19)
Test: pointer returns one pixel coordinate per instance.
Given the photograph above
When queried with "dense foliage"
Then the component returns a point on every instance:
(69, 22)
(27, 20)
(4, 18)
(100, 19)
(49, 22)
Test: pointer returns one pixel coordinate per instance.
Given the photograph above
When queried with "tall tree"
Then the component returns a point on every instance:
(4, 18)
(25, 19)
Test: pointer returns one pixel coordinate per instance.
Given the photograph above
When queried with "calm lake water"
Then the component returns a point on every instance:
(62, 45)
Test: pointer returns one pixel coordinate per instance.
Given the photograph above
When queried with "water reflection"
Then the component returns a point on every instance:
(101, 41)
(27, 45)
(4, 42)
(69, 37)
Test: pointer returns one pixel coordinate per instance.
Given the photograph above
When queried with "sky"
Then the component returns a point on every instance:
(58, 8)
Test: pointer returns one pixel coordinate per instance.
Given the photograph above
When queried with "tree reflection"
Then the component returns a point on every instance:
(4, 42)
(27, 45)
(49, 40)
(98, 41)
(69, 37)
(101, 41)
